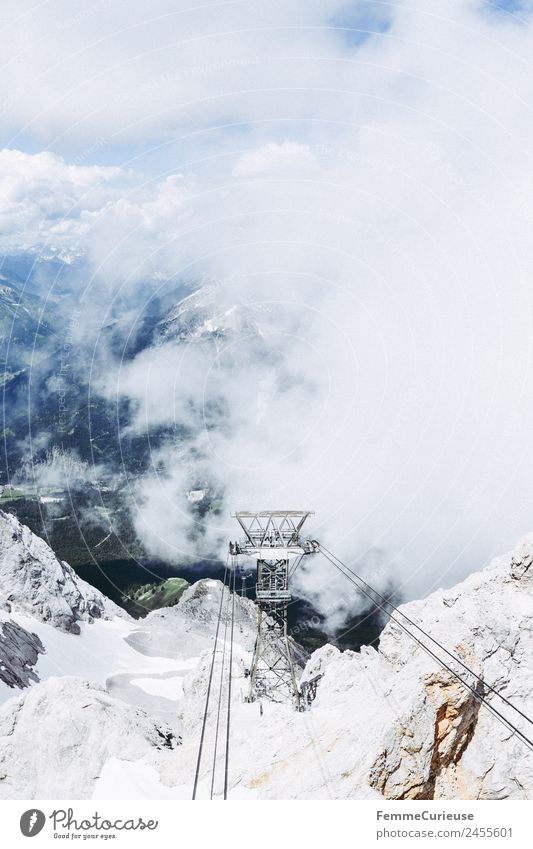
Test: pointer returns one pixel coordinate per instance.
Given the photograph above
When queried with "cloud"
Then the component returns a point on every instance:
(118, 72)
(272, 158)
(43, 199)
(371, 218)
(61, 469)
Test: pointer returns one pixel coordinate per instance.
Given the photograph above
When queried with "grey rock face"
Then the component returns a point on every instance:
(33, 581)
(19, 650)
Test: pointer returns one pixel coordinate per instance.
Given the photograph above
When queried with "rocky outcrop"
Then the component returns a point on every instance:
(200, 603)
(19, 650)
(33, 581)
(410, 764)
(56, 738)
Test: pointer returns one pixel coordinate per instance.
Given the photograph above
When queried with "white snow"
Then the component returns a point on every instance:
(392, 722)
(139, 780)
(56, 737)
(134, 780)
(168, 687)
(95, 654)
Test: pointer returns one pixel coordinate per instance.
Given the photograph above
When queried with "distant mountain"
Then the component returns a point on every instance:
(205, 316)
(27, 332)
(156, 595)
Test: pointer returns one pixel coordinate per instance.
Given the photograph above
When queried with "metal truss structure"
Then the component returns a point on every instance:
(273, 539)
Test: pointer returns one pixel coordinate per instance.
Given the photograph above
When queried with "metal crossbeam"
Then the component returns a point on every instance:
(278, 529)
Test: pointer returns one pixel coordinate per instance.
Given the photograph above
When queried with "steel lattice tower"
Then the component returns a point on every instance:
(273, 539)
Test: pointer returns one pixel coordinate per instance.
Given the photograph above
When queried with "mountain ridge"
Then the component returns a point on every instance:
(388, 723)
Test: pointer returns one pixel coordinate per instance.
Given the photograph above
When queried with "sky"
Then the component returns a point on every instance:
(357, 176)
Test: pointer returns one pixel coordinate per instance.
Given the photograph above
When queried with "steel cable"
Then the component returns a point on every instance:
(480, 698)
(221, 687)
(228, 723)
(208, 693)
(435, 642)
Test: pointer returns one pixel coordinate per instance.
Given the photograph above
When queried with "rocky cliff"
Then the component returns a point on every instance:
(34, 581)
(390, 723)
(19, 650)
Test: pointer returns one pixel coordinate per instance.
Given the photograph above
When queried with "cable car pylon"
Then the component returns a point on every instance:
(273, 538)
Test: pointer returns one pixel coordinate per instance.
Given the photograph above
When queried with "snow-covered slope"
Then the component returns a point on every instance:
(113, 701)
(56, 737)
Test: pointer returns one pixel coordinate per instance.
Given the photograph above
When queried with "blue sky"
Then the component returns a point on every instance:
(360, 24)
(105, 87)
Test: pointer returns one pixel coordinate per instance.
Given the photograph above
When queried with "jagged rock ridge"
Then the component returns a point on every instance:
(19, 650)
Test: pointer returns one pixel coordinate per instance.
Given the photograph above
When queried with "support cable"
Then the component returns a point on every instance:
(295, 565)
(435, 642)
(480, 698)
(228, 723)
(208, 694)
(221, 687)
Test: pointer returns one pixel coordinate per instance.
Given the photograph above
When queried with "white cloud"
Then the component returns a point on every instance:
(379, 216)
(123, 71)
(43, 199)
(288, 158)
